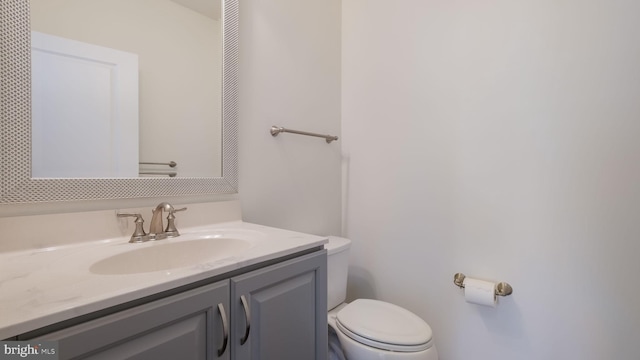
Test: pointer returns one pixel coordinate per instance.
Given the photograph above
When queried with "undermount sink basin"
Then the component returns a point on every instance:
(164, 255)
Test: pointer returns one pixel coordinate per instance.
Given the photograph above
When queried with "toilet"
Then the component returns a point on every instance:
(370, 329)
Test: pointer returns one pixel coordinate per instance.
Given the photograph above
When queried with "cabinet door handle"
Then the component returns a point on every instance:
(225, 329)
(247, 315)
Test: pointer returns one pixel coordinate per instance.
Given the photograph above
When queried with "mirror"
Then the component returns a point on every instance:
(126, 88)
(19, 185)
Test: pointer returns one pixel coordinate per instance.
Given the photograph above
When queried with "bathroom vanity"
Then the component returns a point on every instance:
(266, 300)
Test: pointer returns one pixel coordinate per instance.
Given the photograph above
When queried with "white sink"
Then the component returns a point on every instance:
(166, 254)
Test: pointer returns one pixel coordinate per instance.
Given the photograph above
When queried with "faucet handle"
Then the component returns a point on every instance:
(138, 234)
(171, 230)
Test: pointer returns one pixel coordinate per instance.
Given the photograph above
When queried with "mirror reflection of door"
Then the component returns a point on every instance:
(84, 120)
(179, 49)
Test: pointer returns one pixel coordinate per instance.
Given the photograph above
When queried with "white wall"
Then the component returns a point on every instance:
(290, 77)
(498, 139)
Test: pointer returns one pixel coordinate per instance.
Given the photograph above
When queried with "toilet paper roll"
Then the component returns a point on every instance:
(480, 292)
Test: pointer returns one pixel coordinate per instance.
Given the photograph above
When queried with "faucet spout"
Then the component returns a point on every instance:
(156, 228)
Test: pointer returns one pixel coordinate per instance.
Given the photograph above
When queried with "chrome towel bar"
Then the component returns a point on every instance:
(170, 163)
(275, 130)
(159, 173)
(502, 288)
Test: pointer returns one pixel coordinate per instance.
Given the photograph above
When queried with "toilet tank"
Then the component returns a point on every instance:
(337, 270)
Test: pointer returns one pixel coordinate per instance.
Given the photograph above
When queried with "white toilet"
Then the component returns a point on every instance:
(370, 329)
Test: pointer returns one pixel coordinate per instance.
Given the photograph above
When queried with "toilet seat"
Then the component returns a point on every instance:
(384, 326)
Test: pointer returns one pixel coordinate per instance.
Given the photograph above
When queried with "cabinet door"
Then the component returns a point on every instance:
(280, 312)
(183, 326)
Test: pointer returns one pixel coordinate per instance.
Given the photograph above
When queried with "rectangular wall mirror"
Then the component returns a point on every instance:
(111, 99)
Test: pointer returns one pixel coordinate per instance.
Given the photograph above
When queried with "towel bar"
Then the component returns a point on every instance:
(275, 130)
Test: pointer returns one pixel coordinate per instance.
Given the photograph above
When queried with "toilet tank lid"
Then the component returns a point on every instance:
(337, 244)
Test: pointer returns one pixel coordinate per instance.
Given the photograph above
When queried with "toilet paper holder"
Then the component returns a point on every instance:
(502, 288)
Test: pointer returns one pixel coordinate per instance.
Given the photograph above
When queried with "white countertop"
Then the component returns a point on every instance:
(41, 287)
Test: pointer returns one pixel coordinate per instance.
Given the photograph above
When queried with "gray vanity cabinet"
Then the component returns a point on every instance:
(279, 312)
(185, 326)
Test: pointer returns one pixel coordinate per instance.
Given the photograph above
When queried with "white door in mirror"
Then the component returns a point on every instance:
(85, 109)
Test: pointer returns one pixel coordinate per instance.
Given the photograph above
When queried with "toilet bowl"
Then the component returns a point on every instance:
(371, 329)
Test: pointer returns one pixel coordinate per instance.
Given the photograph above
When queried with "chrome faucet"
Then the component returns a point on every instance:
(157, 231)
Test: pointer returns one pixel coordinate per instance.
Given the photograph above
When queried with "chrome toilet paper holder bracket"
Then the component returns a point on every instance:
(502, 288)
